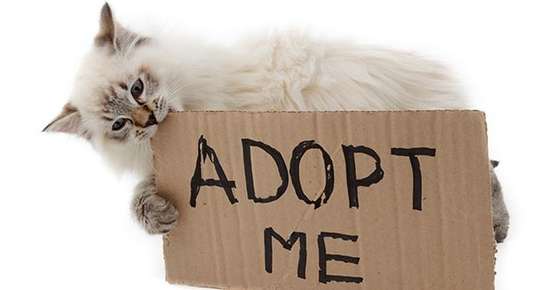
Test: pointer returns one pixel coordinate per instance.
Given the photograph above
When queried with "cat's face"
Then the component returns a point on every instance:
(118, 99)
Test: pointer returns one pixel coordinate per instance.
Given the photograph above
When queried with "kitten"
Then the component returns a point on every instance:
(128, 83)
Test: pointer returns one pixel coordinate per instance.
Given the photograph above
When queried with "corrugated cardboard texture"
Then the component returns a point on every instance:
(441, 240)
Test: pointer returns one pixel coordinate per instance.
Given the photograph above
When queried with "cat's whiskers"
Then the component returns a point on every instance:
(176, 87)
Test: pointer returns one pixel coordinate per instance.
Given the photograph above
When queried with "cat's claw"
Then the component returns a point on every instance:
(157, 214)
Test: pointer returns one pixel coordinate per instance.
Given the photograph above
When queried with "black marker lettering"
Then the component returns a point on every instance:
(324, 277)
(297, 154)
(411, 153)
(197, 181)
(280, 164)
(351, 181)
(269, 233)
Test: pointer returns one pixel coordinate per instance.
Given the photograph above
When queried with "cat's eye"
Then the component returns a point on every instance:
(137, 89)
(118, 124)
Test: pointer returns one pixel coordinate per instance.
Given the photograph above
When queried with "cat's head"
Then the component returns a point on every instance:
(118, 99)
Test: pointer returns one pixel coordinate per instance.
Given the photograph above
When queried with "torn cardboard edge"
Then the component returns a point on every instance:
(308, 200)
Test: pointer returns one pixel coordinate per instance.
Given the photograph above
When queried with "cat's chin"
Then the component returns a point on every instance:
(146, 134)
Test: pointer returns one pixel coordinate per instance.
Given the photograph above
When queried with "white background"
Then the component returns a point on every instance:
(64, 218)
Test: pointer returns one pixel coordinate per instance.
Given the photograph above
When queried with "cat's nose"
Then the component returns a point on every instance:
(144, 117)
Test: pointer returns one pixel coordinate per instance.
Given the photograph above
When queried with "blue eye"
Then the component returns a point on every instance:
(118, 124)
(137, 89)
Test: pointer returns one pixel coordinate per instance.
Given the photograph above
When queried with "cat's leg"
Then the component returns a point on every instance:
(500, 213)
(156, 214)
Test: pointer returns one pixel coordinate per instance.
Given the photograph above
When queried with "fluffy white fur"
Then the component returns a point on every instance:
(280, 71)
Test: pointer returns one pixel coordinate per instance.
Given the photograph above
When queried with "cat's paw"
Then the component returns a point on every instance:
(157, 214)
(500, 232)
(501, 226)
(500, 214)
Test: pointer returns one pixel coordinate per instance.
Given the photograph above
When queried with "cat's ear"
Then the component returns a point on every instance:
(68, 121)
(494, 163)
(113, 35)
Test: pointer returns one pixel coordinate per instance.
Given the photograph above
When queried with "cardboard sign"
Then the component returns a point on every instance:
(328, 200)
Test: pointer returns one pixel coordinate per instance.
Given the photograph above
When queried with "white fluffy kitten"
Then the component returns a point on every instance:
(128, 83)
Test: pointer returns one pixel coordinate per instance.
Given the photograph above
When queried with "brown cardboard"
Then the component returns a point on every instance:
(448, 244)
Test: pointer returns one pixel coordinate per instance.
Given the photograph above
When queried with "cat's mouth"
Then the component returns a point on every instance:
(159, 115)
